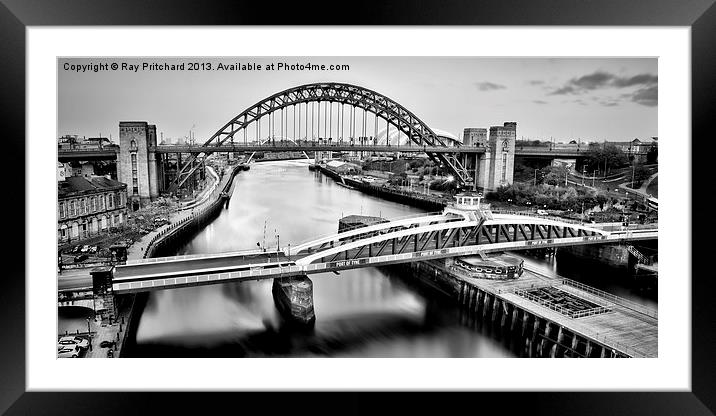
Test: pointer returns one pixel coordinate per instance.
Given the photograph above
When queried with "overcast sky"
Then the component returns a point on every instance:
(588, 99)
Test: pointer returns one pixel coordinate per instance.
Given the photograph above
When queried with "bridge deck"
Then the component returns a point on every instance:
(180, 267)
(629, 330)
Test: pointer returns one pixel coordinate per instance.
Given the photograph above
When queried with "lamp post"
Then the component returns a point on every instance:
(633, 165)
(89, 334)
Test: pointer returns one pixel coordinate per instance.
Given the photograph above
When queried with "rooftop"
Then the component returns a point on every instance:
(81, 185)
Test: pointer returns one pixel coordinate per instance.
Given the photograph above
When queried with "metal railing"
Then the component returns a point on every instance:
(355, 227)
(557, 308)
(208, 203)
(639, 256)
(611, 298)
(550, 217)
(629, 350)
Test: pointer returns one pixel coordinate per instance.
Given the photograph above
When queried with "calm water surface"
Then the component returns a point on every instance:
(359, 313)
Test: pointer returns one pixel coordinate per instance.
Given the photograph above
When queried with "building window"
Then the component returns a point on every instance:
(94, 204)
(133, 145)
(62, 210)
(101, 202)
(110, 201)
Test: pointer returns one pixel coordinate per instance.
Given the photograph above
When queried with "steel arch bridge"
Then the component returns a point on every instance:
(425, 237)
(381, 106)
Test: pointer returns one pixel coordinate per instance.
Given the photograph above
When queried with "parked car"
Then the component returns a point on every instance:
(81, 258)
(70, 340)
(106, 344)
(68, 351)
(159, 221)
(541, 212)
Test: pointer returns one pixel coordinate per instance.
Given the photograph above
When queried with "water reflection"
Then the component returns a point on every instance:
(359, 313)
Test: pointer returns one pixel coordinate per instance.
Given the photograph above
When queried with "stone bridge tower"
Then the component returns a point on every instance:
(496, 166)
(502, 147)
(137, 163)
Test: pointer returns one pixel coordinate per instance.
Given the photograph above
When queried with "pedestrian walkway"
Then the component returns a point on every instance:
(116, 330)
(642, 190)
(138, 248)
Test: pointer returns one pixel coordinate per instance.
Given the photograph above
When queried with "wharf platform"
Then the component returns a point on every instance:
(617, 326)
(626, 326)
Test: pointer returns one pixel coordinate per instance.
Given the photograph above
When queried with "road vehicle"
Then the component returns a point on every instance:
(68, 351)
(73, 340)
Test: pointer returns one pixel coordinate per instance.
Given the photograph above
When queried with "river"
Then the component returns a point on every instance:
(366, 312)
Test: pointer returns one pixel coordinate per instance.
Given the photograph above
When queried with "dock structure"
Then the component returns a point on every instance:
(556, 317)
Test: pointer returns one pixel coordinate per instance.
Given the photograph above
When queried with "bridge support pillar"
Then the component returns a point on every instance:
(482, 171)
(103, 296)
(293, 297)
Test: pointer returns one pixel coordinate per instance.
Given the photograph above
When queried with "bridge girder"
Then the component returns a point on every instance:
(370, 101)
(442, 236)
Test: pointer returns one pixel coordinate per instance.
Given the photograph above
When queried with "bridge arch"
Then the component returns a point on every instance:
(370, 101)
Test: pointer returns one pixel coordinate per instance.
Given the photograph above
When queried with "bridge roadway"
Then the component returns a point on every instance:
(65, 155)
(412, 239)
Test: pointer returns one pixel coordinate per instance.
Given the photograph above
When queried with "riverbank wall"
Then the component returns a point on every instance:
(521, 314)
(414, 199)
(166, 243)
(615, 255)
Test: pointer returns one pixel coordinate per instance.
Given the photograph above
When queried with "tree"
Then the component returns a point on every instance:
(608, 155)
(554, 175)
(652, 156)
(640, 173)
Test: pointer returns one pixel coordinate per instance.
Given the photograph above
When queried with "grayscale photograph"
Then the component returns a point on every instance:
(377, 207)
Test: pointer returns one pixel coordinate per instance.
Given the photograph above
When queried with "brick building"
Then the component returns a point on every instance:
(89, 206)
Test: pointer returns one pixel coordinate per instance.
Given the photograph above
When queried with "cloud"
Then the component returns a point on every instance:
(641, 79)
(601, 79)
(592, 81)
(567, 89)
(535, 82)
(647, 96)
(489, 86)
(539, 102)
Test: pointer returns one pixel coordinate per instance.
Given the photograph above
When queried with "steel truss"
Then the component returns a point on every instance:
(389, 110)
(448, 238)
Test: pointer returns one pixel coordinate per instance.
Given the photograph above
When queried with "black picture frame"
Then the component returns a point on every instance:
(16, 15)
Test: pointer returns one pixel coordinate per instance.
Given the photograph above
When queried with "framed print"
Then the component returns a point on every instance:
(434, 200)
